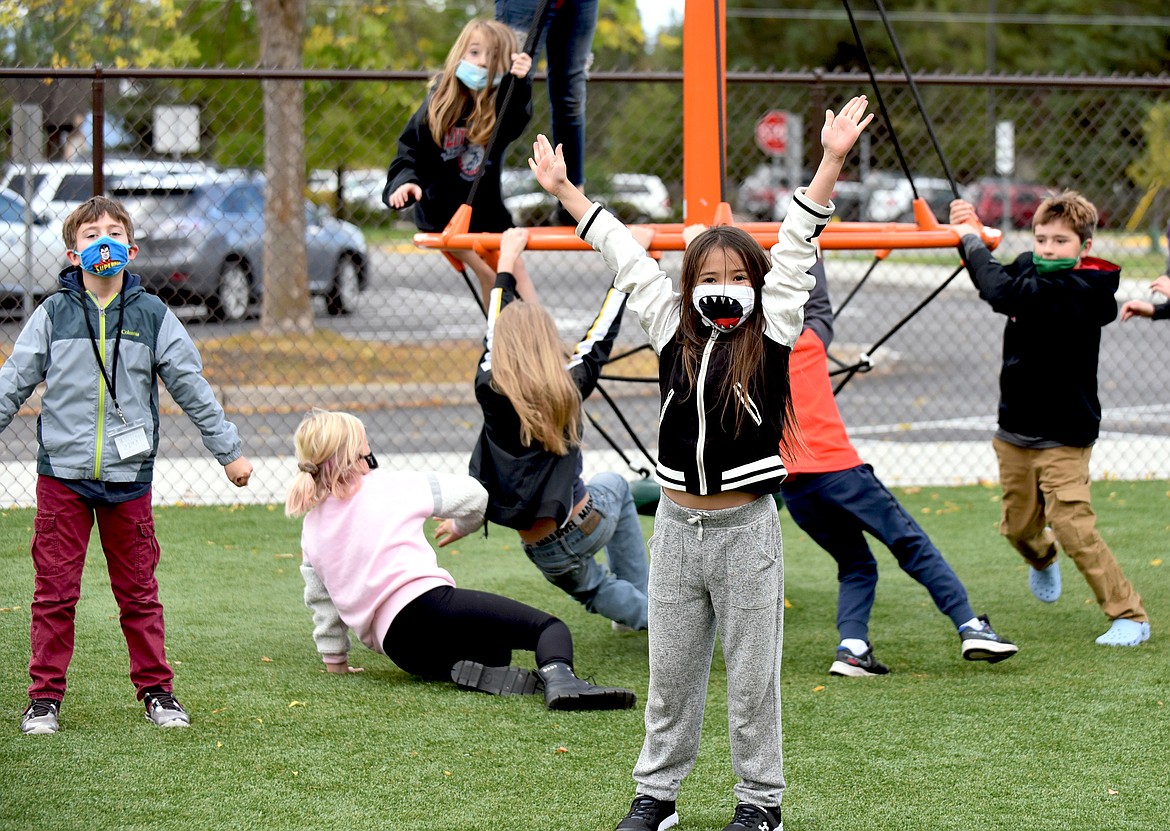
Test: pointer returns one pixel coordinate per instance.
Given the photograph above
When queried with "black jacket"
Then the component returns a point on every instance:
(526, 483)
(445, 173)
(1048, 382)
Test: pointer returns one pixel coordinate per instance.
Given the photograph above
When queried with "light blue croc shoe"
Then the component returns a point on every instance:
(1126, 633)
(1045, 584)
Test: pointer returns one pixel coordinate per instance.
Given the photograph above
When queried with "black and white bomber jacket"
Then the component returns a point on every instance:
(699, 450)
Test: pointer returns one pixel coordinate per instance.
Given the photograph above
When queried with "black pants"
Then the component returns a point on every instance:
(447, 625)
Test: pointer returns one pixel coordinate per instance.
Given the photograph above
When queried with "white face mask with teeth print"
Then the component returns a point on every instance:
(723, 307)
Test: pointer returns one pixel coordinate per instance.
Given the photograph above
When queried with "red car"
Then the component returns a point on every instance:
(1022, 197)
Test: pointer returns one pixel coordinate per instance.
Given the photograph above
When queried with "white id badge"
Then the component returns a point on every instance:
(130, 440)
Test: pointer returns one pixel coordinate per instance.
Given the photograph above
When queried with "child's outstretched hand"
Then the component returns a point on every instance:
(841, 130)
(521, 64)
(548, 165)
(1136, 308)
(238, 471)
(403, 195)
(447, 532)
(512, 242)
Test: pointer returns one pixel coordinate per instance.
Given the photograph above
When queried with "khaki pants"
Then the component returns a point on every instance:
(1050, 487)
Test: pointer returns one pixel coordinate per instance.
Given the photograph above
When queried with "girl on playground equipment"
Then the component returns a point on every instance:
(445, 143)
(528, 456)
(368, 567)
(716, 557)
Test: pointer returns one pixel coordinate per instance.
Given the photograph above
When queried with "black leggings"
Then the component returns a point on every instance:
(447, 625)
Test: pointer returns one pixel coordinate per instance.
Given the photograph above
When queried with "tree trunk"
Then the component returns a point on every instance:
(287, 305)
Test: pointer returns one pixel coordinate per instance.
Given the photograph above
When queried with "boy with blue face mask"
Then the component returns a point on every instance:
(100, 345)
(1056, 299)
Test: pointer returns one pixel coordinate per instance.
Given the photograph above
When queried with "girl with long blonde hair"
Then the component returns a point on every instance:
(445, 144)
(723, 341)
(368, 567)
(530, 389)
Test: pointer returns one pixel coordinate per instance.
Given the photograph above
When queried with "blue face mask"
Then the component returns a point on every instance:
(474, 77)
(104, 257)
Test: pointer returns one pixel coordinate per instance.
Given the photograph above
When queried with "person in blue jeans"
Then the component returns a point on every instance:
(837, 500)
(568, 38)
(528, 456)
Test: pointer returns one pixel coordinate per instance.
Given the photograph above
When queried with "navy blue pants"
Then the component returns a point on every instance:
(835, 509)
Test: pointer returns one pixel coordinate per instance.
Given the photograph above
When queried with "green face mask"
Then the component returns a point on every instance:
(1048, 266)
(1059, 264)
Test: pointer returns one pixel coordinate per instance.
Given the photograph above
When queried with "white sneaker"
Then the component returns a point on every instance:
(1045, 583)
(1124, 632)
(621, 627)
(40, 717)
(164, 709)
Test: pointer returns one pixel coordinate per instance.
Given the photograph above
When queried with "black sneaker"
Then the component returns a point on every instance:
(40, 717)
(851, 665)
(755, 818)
(471, 675)
(649, 814)
(984, 645)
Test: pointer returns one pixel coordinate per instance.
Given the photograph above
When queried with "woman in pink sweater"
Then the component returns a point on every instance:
(368, 567)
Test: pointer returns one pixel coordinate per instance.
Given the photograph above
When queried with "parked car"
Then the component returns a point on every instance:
(59, 187)
(764, 195)
(891, 199)
(632, 197)
(42, 262)
(203, 242)
(635, 197)
(987, 195)
(360, 188)
(529, 203)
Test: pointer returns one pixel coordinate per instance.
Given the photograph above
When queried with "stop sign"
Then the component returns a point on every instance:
(772, 132)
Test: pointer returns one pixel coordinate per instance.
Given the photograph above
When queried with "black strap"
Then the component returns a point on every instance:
(111, 382)
(865, 365)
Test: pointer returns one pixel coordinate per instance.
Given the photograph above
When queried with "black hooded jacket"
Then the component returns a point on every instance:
(1051, 341)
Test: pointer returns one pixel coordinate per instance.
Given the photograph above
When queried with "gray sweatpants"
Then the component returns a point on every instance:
(715, 571)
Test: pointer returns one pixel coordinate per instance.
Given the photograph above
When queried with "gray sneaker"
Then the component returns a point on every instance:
(40, 718)
(164, 709)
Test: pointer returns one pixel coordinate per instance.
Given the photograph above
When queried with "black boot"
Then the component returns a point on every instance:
(472, 675)
(565, 691)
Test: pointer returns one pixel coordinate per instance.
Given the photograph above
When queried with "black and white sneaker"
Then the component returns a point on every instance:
(755, 818)
(851, 665)
(40, 717)
(984, 645)
(471, 675)
(163, 709)
(649, 814)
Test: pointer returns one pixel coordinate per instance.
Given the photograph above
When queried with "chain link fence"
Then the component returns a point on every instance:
(398, 330)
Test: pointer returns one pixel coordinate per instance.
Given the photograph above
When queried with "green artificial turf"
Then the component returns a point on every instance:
(1065, 735)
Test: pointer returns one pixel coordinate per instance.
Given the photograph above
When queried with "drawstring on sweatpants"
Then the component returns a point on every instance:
(696, 519)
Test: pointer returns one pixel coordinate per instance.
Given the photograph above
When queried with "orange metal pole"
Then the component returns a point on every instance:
(837, 236)
(704, 111)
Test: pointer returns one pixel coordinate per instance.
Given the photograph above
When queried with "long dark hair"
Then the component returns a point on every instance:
(745, 346)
